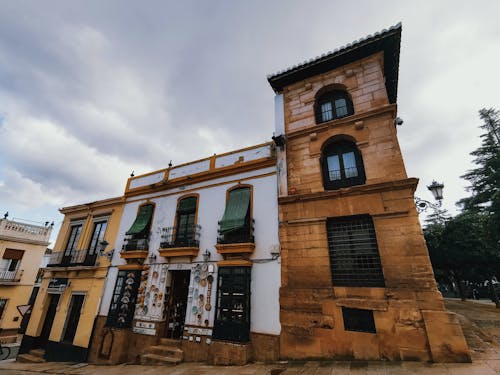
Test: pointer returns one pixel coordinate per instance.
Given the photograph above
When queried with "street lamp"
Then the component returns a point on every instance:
(436, 189)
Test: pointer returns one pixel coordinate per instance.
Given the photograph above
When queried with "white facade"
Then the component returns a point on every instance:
(212, 194)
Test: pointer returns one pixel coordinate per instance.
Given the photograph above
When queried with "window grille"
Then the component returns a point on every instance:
(121, 311)
(354, 256)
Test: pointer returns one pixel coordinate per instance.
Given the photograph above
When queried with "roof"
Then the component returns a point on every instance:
(387, 41)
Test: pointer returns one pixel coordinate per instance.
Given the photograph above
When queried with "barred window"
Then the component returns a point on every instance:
(354, 257)
(358, 320)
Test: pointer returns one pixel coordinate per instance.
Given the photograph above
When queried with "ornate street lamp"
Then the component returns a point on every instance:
(436, 189)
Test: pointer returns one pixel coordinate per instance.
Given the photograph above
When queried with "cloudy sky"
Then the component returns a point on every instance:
(91, 90)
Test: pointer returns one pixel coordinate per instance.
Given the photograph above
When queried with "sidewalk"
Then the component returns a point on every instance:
(480, 322)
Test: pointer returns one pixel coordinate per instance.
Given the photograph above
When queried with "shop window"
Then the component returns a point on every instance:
(236, 225)
(354, 256)
(232, 322)
(358, 320)
(332, 105)
(122, 308)
(342, 165)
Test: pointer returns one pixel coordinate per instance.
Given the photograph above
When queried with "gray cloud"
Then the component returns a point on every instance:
(90, 91)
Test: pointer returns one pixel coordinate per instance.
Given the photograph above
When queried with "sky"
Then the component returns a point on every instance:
(93, 90)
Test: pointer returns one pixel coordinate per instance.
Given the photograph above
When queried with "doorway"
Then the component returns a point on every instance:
(49, 319)
(176, 304)
(73, 317)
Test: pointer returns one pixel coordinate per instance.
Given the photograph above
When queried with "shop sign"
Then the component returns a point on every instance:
(144, 328)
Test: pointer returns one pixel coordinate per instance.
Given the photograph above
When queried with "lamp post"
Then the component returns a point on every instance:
(436, 189)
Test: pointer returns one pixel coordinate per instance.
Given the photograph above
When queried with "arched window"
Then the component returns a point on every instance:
(342, 165)
(332, 105)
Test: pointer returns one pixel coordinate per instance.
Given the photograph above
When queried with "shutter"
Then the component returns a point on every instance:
(236, 210)
(142, 220)
(187, 205)
(13, 254)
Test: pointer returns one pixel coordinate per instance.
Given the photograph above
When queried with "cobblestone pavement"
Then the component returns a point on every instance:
(481, 323)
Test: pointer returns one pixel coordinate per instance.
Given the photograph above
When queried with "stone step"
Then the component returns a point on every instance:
(37, 352)
(167, 351)
(29, 358)
(170, 342)
(155, 359)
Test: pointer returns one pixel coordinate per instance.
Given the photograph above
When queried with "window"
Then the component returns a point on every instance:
(97, 236)
(9, 264)
(342, 165)
(3, 305)
(236, 225)
(358, 320)
(332, 105)
(138, 234)
(74, 236)
(121, 311)
(186, 216)
(354, 257)
(232, 321)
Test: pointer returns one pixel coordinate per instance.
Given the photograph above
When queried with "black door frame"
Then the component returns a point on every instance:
(49, 319)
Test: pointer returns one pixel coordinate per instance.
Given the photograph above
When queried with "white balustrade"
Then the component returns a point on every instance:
(9, 228)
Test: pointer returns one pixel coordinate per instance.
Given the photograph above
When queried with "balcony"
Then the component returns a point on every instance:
(135, 249)
(75, 259)
(242, 235)
(17, 231)
(180, 241)
(236, 246)
(11, 276)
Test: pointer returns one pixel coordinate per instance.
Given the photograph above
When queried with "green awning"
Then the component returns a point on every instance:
(187, 205)
(142, 220)
(236, 210)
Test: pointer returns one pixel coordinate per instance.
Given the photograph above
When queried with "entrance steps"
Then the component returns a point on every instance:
(34, 356)
(168, 352)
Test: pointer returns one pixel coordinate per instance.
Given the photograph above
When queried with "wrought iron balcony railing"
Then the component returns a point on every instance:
(11, 275)
(184, 236)
(73, 259)
(132, 244)
(242, 235)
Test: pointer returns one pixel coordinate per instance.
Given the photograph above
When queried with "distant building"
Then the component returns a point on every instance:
(357, 281)
(22, 246)
(72, 283)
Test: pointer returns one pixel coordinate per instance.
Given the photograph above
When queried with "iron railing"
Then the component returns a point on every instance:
(242, 235)
(11, 275)
(184, 236)
(74, 258)
(132, 244)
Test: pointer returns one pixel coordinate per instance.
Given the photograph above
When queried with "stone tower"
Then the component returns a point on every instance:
(357, 281)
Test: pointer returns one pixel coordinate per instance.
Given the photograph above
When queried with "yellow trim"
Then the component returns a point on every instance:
(236, 248)
(203, 187)
(128, 267)
(234, 263)
(179, 252)
(134, 254)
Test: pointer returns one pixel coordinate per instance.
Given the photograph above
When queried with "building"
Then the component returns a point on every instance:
(357, 281)
(196, 274)
(22, 246)
(72, 284)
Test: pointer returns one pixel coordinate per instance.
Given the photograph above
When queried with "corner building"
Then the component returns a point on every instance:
(356, 280)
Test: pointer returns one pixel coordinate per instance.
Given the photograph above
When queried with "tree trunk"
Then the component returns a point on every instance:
(494, 295)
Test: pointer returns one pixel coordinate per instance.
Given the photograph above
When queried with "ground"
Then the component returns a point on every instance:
(480, 321)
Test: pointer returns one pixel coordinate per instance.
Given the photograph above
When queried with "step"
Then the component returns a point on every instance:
(37, 352)
(155, 359)
(170, 342)
(28, 358)
(167, 351)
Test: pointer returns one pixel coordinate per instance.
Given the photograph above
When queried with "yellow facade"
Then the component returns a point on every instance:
(17, 276)
(80, 275)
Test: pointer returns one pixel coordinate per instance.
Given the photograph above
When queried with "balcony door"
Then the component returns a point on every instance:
(95, 242)
(71, 246)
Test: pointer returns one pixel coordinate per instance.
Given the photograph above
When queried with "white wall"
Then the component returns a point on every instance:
(212, 199)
